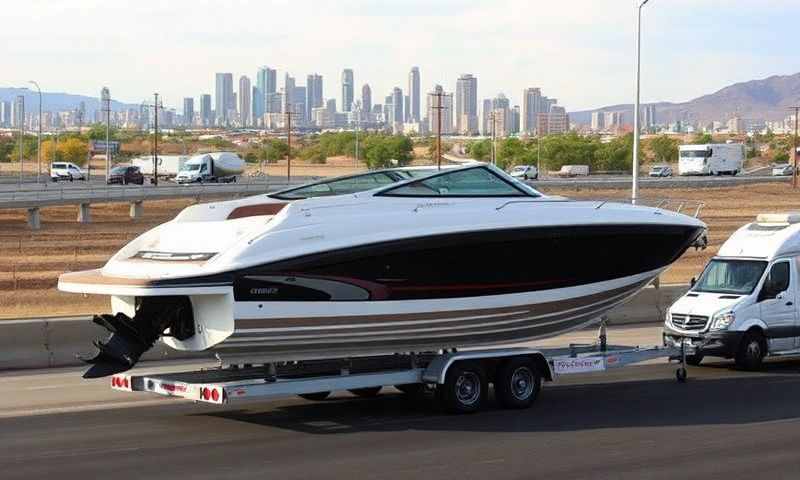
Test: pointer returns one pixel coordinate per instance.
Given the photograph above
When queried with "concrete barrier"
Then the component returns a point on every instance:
(56, 342)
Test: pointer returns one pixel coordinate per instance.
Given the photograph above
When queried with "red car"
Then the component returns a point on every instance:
(125, 174)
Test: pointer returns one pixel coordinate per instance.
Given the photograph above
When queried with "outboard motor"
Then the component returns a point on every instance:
(131, 337)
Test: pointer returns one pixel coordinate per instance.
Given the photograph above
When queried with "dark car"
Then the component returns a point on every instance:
(124, 175)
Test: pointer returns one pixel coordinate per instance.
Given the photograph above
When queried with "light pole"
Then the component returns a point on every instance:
(39, 136)
(105, 95)
(635, 182)
(358, 118)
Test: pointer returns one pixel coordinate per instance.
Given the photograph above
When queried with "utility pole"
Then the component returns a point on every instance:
(105, 96)
(794, 147)
(635, 182)
(39, 137)
(21, 119)
(289, 115)
(439, 107)
(155, 140)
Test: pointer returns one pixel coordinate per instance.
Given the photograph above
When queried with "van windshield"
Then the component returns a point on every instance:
(738, 277)
(695, 153)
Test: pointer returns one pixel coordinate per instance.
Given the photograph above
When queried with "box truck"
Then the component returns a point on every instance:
(711, 159)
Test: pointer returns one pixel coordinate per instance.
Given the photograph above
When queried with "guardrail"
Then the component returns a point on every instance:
(44, 196)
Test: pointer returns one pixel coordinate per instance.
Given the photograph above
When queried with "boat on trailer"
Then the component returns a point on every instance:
(462, 257)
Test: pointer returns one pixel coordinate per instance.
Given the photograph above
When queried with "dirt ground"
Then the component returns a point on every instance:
(30, 262)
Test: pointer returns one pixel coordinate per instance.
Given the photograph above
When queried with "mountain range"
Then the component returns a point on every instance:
(56, 101)
(765, 99)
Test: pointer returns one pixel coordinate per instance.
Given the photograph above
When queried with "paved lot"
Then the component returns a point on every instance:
(632, 423)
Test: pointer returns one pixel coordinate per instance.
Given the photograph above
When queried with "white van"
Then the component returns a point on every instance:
(66, 171)
(711, 159)
(745, 303)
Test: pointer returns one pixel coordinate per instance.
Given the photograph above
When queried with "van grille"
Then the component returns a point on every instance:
(689, 322)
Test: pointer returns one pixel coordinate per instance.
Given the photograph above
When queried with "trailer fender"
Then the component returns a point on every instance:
(438, 367)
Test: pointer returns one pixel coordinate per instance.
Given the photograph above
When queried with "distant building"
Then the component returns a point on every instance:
(398, 102)
(266, 83)
(188, 111)
(313, 94)
(736, 125)
(556, 121)
(5, 114)
(299, 97)
(531, 105)
(366, 98)
(18, 112)
(414, 95)
(649, 117)
(467, 105)
(496, 116)
(515, 118)
(245, 102)
(446, 99)
(224, 101)
(206, 114)
(598, 120)
(347, 90)
(614, 120)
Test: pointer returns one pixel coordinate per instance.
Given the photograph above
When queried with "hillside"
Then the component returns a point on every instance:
(767, 99)
(56, 101)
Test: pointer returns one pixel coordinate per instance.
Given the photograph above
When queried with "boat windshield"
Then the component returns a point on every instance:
(472, 182)
(738, 277)
(340, 186)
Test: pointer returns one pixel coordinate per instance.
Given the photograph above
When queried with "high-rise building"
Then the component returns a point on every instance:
(330, 105)
(515, 119)
(5, 114)
(267, 84)
(188, 111)
(467, 105)
(245, 102)
(497, 116)
(397, 105)
(406, 108)
(414, 95)
(313, 94)
(299, 99)
(598, 121)
(347, 90)
(556, 121)
(223, 102)
(532, 104)
(486, 116)
(649, 117)
(366, 98)
(18, 112)
(446, 111)
(206, 115)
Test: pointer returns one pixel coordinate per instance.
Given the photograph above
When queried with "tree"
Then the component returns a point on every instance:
(663, 148)
(480, 149)
(272, 150)
(780, 157)
(98, 132)
(701, 138)
(73, 150)
(49, 152)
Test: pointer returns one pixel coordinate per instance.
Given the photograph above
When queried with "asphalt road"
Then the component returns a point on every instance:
(632, 423)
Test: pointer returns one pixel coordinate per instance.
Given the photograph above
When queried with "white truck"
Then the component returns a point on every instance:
(711, 159)
(168, 165)
(572, 171)
(222, 167)
(745, 303)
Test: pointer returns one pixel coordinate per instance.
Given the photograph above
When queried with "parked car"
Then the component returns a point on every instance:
(66, 171)
(661, 171)
(782, 169)
(525, 172)
(125, 174)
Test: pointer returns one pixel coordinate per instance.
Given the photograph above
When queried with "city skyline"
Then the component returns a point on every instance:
(558, 48)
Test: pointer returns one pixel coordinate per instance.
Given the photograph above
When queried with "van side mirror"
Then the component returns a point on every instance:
(692, 282)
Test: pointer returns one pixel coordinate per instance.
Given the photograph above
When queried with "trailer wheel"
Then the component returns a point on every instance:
(314, 397)
(367, 392)
(751, 351)
(518, 383)
(694, 360)
(464, 389)
(681, 375)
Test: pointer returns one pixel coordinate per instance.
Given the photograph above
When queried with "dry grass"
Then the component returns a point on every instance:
(30, 262)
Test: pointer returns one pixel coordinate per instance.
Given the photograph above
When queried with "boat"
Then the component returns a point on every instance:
(362, 265)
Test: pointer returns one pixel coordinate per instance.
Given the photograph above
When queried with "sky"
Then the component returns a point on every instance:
(579, 51)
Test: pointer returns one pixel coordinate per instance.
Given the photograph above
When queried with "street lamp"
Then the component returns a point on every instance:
(39, 137)
(635, 183)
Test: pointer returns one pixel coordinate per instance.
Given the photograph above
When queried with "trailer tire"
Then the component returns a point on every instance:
(314, 397)
(367, 392)
(694, 360)
(751, 351)
(465, 388)
(517, 383)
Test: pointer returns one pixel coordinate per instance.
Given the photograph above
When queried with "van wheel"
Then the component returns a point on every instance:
(694, 360)
(314, 397)
(751, 351)
(464, 389)
(367, 392)
(518, 383)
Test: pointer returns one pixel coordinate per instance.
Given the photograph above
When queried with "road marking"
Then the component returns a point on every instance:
(89, 407)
